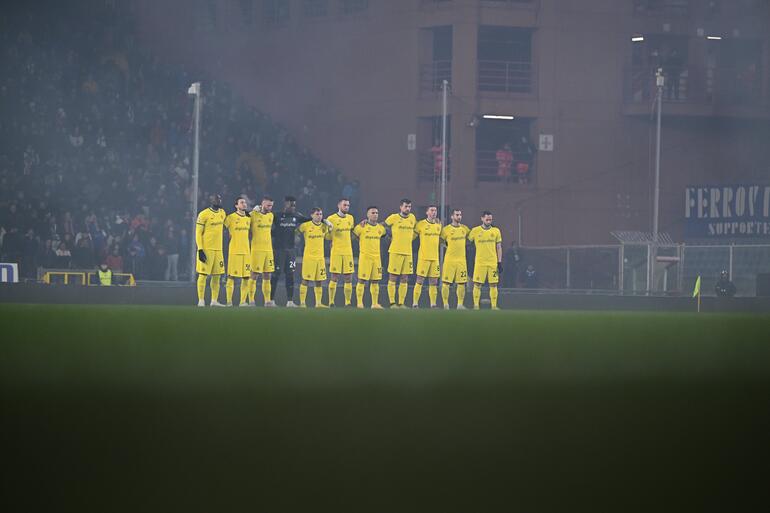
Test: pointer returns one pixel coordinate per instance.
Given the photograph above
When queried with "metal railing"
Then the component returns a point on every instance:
(353, 6)
(659, 7)
(429, 166)
(82, 277)
(433, 74)
(505, 76)
(704, 86)
(488, 169)
(624, 268)
(315, 8)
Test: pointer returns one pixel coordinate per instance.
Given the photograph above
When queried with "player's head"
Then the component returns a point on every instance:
(343, 205)
(431, 212)
(289, 204)
(457, 216)
(267, 204)
(406, 206)
(215, 200)
(486, 218)
(372, 214)
(317, 214)
(724, 274)
(241, 204)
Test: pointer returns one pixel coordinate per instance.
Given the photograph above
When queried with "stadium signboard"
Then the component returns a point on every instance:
(727, 212)
(9, 273)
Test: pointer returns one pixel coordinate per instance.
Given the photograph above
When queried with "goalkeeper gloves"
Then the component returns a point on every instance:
(202, 256)
(499, 267)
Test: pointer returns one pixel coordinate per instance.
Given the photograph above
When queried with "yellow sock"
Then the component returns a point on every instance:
(416, 293)
(476, 296)
(266, 286)
(332, 291)
(460, 294)
(433, 294)
(374, 289)
(403, 288)
(493, 296)
(445, 294)
(201, 287)
(392, 292)
(229, 288)
(360, 289)
(214, 288)
(348, 291)
(302, 294)
(245, 286)
(319, 294)
(253, 290)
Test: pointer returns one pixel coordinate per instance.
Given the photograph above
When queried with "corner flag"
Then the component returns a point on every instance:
(696, 291)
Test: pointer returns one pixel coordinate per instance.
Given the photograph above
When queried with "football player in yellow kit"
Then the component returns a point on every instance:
(208, 238)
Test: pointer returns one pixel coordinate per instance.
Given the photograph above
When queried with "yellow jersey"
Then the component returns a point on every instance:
(429, 238)
(314, 239)
(340, 235)
(261, 231)
(455, 237)
(238, 226)
(486, 241)
(208, 229)
(401, 230)
(369, 237)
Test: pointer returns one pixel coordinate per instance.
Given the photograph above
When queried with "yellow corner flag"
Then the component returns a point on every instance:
(696, 291)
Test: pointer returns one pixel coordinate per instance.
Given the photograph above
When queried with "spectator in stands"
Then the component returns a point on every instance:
(437, 152)
(155, 259)
(724, 287)
(29, 255)
(530, 278)
(83, 254)
(511, 261)
(672, 69)
(525, 156)
(105, 275)
(63, 256)
(504, 157)
(114, 260)
(173, 247)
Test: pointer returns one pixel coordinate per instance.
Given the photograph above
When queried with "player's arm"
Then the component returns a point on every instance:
(200, 228)
(499, 248)
(357, 231)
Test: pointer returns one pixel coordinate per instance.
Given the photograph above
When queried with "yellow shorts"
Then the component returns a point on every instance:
(313, 269)
(482, 273)
(400, 264)
(341, 264)
(215, 262)
(239, 266)
(369, 268)
(455, 272)
(262, 262)
(428, 268)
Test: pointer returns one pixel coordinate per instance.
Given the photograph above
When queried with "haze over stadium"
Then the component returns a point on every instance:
(215, 214)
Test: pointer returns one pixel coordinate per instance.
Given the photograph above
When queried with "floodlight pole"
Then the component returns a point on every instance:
(444, 154)
(444, 90)
(195, 92)
(660, 81)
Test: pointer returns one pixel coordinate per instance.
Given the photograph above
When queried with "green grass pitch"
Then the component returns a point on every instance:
(114, 408)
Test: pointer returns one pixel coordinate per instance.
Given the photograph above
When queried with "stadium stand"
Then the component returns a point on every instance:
(95, 156)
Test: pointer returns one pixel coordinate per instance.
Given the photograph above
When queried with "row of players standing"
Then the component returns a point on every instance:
(270, 251)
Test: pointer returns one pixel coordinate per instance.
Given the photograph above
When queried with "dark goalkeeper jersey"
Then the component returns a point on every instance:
(284, 227)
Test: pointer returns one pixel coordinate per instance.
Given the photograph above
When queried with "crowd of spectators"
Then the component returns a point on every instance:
(96, 143)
